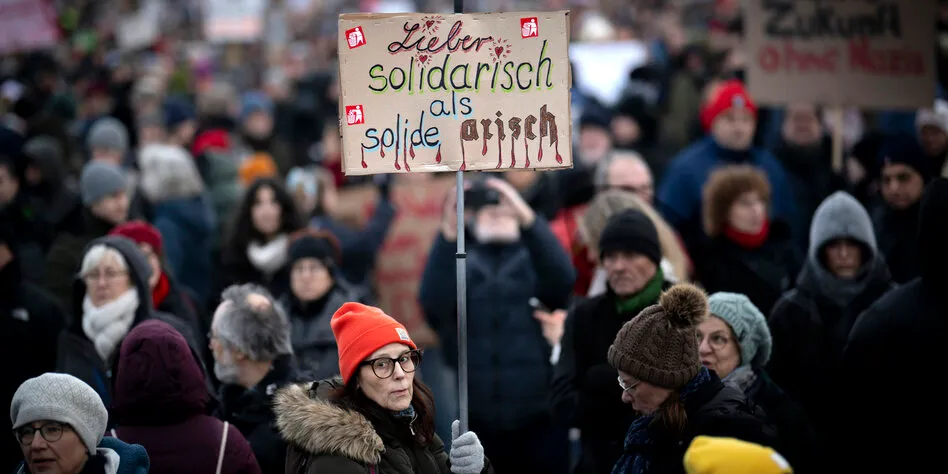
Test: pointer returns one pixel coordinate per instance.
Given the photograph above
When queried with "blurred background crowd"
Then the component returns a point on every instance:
(153, 153)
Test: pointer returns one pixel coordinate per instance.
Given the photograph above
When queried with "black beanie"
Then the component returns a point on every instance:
(631, 231)
(320, 248)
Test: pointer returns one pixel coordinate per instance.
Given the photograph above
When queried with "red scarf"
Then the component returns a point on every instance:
(161, 291)
(748, 240)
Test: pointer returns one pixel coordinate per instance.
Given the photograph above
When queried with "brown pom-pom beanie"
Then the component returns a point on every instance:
(660, 346)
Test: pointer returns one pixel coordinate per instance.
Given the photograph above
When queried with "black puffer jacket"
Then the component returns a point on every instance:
(714, 409)
(900, 340)
(327, 438)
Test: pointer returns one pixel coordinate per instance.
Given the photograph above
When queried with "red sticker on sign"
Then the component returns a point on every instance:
(354, 115)
(529, 27)
(355, 37)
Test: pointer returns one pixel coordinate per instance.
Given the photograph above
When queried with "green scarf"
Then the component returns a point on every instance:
(645, 298)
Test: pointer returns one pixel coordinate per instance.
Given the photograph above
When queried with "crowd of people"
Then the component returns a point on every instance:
(702, 291)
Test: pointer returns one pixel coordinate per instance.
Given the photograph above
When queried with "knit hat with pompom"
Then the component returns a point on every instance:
(660, 346)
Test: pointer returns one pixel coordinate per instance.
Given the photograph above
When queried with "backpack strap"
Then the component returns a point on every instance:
(220, 456)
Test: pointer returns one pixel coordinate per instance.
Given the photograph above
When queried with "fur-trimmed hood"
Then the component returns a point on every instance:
(318, 426)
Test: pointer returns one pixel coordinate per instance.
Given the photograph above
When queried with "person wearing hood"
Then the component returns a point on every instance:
(167, 295)
(29, 318)
(730, 117)
(378, 416)
(315, 294)
(843, 274)
(805, 152)
(182, 213)
(59, 422)
(45, 181)
(110, 296)
(905, 172)
(160, 403)
(901, 335)
(105, 205)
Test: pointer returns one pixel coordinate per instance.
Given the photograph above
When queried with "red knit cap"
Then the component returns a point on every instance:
(361, 330)
(730, 94)
(140, 232)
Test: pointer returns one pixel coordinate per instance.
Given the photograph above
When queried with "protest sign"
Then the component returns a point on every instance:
(401, 262)
(861, 53)
(27, 25)
(469, 92)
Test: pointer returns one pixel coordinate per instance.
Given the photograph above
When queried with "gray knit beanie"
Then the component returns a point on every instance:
(108, 133)
(749, 326)
(62, 398)
(99, 180)
(659, 345)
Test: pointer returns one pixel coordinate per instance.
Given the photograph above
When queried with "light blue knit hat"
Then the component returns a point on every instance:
(748, 324)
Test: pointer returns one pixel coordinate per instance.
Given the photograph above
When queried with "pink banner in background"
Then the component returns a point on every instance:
(27, 25)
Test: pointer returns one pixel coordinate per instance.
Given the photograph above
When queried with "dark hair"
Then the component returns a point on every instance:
(422, 401)
(672, 415)
(242, 230)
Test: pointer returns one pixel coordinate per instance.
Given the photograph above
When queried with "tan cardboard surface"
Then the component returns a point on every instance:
(858, 53)
(429, 92)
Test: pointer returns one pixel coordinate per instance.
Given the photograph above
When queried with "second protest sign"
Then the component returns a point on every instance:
(427, 92)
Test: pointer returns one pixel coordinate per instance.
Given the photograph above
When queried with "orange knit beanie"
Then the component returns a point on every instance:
(361, 330)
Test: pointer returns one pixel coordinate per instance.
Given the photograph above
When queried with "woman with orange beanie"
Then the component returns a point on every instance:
(377, 417)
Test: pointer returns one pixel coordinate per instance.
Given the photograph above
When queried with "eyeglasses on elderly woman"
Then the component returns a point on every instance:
(384, 367)
(51, 432)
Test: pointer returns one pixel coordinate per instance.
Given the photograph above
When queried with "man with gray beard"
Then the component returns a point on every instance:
(250, 339)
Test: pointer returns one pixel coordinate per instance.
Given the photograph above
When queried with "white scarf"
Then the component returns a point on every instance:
(108, 324)
(270, 257)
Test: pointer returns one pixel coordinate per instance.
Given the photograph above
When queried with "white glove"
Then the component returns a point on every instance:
(467, 454)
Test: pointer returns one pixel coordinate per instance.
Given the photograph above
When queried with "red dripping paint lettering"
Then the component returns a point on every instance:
(411, 150)
(526, 152)
(500, 156)
(364, 165)
(438, 156)
(556, 145)
(513, 155)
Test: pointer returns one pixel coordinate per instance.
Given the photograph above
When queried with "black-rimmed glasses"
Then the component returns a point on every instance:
(51, 432)
(384, 367)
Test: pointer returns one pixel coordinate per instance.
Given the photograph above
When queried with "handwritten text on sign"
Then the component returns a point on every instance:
(869, 53)
(448, 92)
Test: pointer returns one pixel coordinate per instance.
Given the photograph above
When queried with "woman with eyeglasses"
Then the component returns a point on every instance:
(661, 376)
(377, 418)
(59, 422)
(735, 342)
(111, 295)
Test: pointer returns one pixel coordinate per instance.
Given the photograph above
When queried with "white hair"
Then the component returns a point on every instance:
(602, 168)
(168, 172)
(96, 255)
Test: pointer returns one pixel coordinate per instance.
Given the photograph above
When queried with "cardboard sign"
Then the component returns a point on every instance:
(857, 53)
(401, 262)
(27, 25)
(427, 93)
